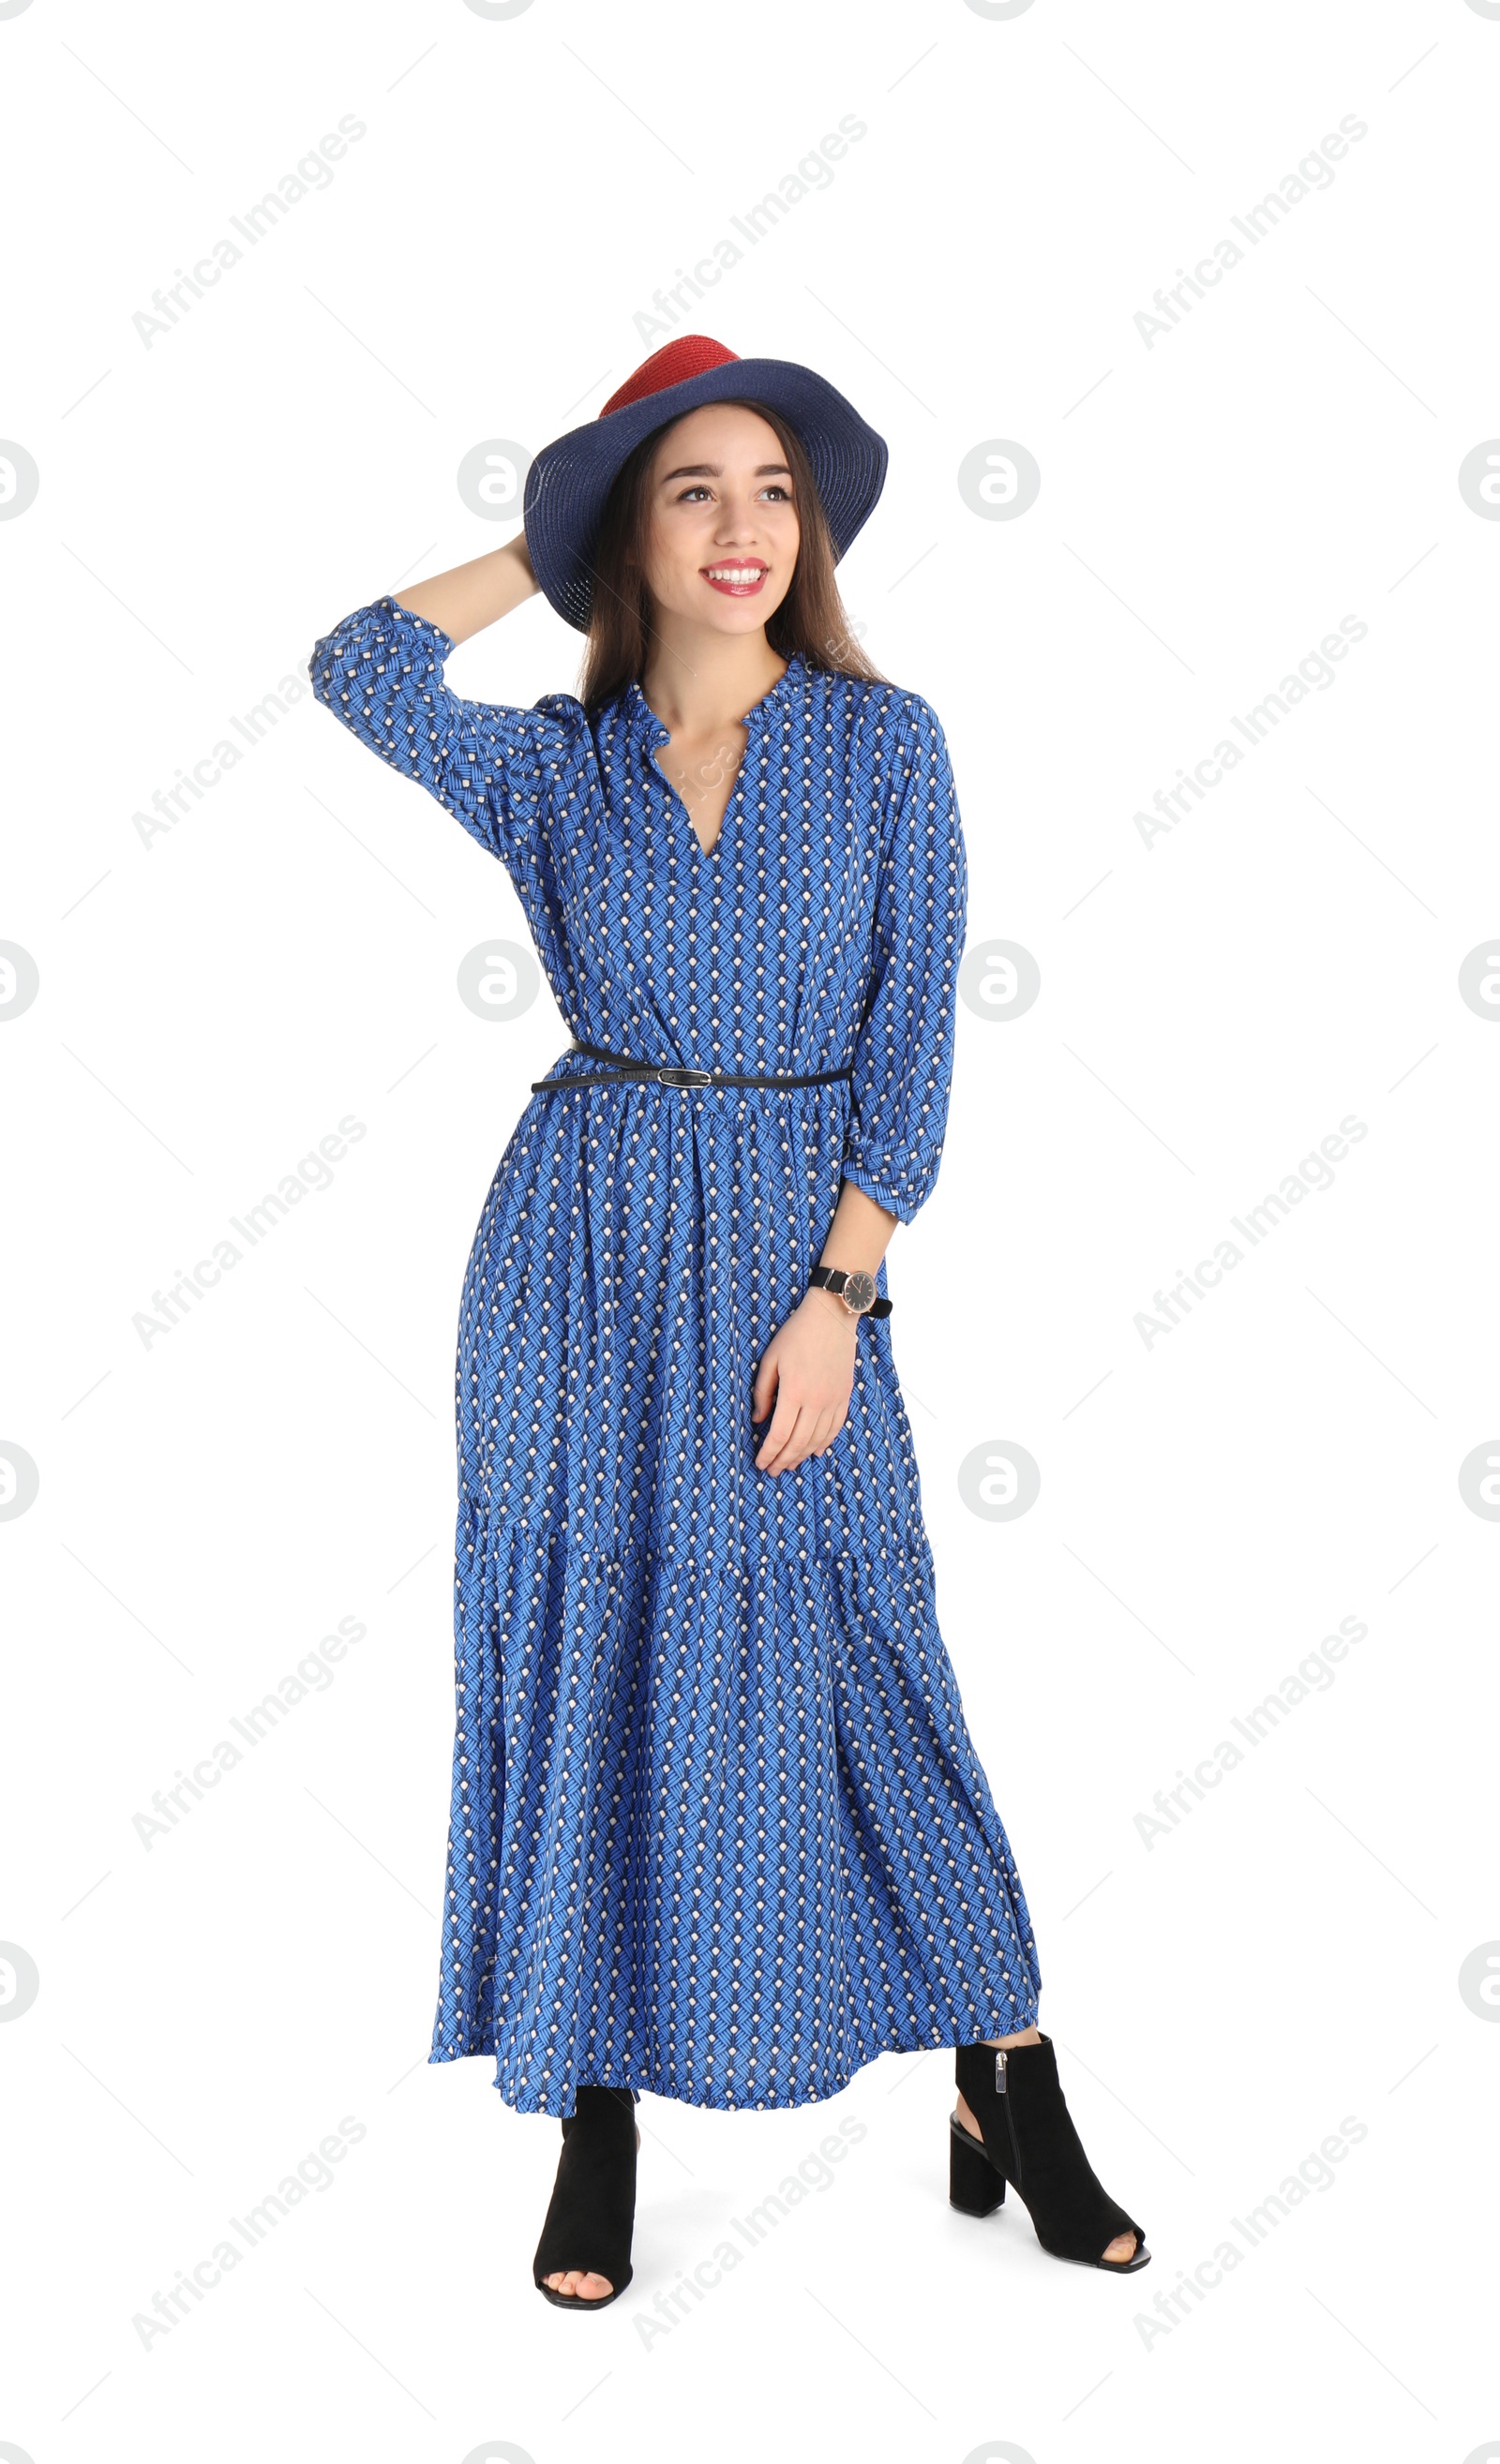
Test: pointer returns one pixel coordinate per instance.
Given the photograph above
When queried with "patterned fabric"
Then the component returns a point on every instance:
(718, 1828)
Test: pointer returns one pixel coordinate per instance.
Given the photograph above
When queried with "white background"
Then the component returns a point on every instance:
(1212, 1005)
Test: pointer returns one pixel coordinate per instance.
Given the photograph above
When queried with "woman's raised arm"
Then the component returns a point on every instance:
(380, 672)
(467, 596)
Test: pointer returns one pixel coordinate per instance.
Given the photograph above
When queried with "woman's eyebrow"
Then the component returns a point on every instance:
(715, 470)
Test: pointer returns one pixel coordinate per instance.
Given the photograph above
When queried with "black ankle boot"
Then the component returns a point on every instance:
(591, 2213)
(1015, 2096)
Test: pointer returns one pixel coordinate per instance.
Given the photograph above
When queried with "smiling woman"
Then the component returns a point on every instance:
(663, 528)
(718, 1828)
(724, 502)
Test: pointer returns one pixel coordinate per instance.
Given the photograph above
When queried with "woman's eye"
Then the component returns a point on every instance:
(700, 489)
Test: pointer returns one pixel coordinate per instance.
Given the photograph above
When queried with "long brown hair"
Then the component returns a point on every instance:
(810, 619)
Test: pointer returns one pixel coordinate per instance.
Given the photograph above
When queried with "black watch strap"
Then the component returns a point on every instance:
(833, 1279)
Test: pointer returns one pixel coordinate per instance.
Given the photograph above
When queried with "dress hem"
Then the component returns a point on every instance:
(655, 2083)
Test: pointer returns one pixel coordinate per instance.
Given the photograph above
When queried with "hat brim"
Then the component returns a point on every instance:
(569, 482)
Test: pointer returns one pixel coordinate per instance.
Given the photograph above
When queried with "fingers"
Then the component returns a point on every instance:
(801, 1424)
(764, 1386)
(795, 1433)
(830, 1422)
(780, 1435)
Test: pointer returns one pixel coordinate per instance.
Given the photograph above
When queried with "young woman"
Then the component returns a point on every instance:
(718, 1828)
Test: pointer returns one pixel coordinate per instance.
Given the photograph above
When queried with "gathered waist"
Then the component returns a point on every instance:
(627, 1072)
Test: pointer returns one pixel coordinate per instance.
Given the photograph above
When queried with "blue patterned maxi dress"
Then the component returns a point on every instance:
(718, 1828)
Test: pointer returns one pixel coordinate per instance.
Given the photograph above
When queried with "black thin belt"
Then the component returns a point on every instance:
(645, 1073)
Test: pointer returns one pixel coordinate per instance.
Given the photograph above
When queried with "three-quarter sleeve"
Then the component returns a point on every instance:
(381, 673)
(903, 1056)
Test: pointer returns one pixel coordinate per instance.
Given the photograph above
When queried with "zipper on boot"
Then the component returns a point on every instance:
(1002, 2088)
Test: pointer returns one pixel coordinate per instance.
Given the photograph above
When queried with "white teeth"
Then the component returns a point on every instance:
(735, 573)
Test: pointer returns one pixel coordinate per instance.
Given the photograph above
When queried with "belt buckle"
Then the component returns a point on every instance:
(675, 1077)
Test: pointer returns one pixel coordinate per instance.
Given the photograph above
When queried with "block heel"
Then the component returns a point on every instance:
(974, 2186)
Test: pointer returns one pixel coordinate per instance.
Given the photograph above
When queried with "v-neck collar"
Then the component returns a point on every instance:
(643, 720)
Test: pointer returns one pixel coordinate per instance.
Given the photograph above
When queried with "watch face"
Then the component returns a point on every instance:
(859, 1290)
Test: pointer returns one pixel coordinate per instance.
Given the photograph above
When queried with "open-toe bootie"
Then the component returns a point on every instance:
(591, 2215)
(1029, 2141)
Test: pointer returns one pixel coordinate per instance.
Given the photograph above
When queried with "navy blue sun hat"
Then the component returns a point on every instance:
(569, 482)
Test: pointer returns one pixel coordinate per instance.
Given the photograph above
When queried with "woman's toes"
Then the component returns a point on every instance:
(1122, 2247)
(580, 2281)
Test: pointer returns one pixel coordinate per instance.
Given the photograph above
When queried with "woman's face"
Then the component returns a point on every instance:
(724, 533)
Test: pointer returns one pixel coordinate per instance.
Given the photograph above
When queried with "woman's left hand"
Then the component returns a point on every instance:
(808, 1368)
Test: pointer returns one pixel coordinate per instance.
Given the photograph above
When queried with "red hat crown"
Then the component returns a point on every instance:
(686, 355)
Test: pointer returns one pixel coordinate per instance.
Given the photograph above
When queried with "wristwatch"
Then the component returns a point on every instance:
(856, 1290)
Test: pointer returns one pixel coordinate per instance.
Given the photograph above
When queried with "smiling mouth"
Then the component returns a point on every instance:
(738, 579)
